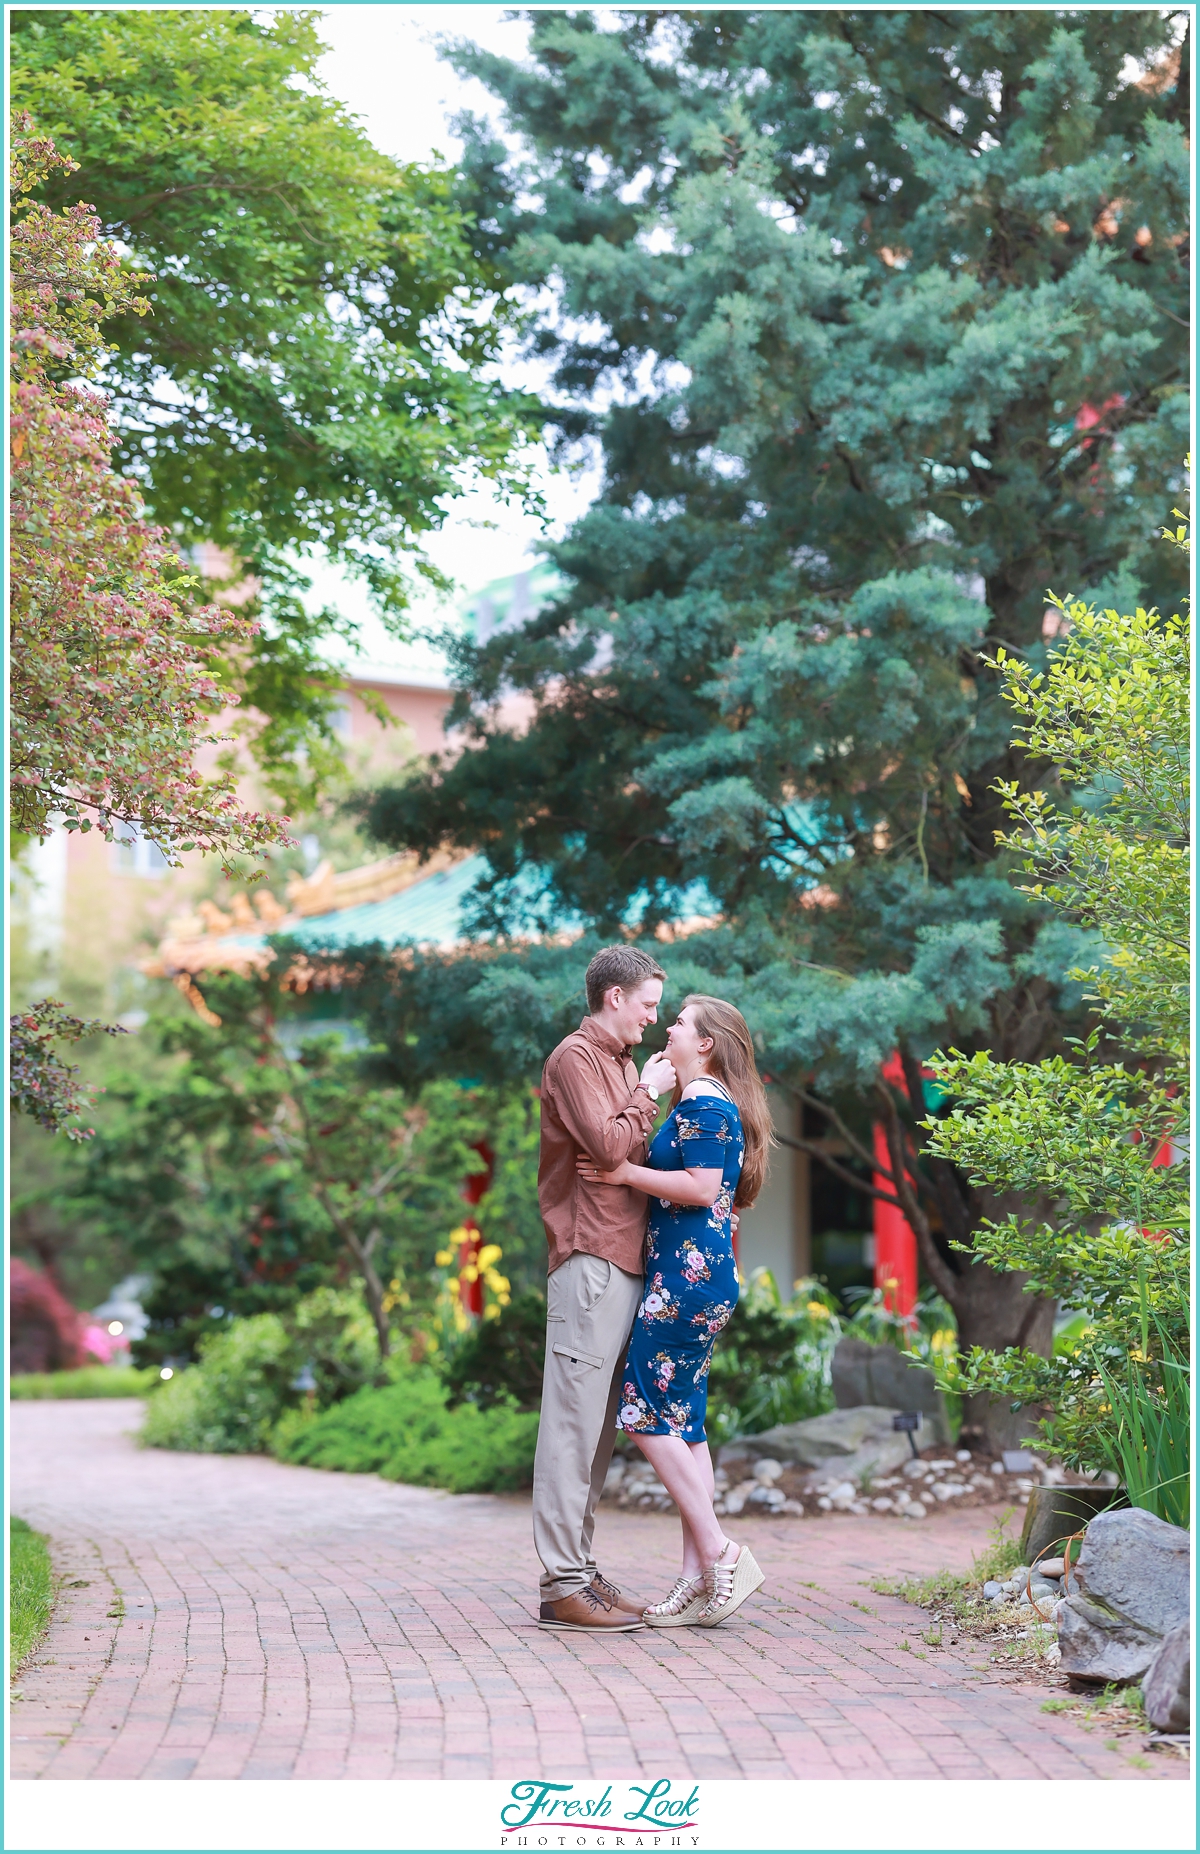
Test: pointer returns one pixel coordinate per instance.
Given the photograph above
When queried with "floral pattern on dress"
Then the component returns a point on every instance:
(695, 1264)
(634, 1413)
(713, 1320)
(662, 1366)
(690, 1128)
(691, 1276)
(658, 1303)
(719, 1215)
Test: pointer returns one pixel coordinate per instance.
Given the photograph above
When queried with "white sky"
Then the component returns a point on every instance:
(383, 63)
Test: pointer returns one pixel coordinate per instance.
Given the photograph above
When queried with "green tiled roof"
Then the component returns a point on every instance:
(428, 913)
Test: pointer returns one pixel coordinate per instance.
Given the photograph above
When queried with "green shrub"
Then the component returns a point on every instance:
(772, 1362)
(335, 1340)
(229, 1403)
(503, 1358)
(90, 1381)
(31, 1591)
(250, 1375)
(1001, 1554)
(409, 1432)
(1150, 1438)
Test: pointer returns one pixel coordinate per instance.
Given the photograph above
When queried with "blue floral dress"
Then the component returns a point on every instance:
(691, 1277)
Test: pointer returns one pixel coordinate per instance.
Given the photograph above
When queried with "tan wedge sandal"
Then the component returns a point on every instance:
(728, 1585)
(681, 1608)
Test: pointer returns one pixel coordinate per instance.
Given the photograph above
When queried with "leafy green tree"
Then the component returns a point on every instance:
(111, 693)
(111, 690)
(243, 1162)
(879, 320)
(1112, 709)
(40, 1083)
(313, 370)
(258, 1169)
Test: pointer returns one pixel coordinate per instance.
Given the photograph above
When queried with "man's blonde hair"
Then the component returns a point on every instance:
(626, 966)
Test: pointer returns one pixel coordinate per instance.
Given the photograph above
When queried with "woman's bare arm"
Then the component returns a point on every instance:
(700, 1185)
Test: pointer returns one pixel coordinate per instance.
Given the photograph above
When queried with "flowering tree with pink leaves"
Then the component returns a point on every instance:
(112, 689)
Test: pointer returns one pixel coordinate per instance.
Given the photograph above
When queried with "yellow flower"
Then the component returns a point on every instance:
(491, 1252)
(817, 1310)
(443, 1258)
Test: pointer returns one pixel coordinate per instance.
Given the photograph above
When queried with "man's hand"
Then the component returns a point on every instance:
(659, 1073)
(590, 1172)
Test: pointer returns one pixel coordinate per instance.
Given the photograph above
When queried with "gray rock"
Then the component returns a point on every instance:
(1097, 1644)
(821, 1439)
(767, 1470)
(992, 1588)
(866, 1375)
(1167, 1686)
(1134, 1575)
(871, 1459)
(1055, 1514)
(1138, 1566)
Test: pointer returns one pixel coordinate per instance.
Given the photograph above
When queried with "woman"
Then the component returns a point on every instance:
(708, 1158)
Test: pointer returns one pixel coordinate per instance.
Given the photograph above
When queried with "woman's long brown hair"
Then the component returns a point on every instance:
(731, 1060)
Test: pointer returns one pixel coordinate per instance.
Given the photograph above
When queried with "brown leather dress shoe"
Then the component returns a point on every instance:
(633, 1606)
(589, 1612)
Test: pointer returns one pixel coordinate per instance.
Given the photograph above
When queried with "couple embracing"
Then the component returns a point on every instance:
(642, 1279)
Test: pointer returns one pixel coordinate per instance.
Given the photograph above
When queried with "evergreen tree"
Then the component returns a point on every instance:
(880, 321)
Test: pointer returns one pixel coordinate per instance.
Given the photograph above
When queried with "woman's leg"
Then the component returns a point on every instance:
(685, 1470)
(693, 1562)
(703, 1460)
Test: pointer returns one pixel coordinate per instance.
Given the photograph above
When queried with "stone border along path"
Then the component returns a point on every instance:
(232, 1617)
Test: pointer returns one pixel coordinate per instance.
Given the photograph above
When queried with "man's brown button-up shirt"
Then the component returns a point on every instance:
(591, 1104)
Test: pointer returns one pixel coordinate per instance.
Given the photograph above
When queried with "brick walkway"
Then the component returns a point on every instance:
(232, 1617)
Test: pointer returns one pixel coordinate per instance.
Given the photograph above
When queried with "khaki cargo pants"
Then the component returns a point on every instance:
(590, 1309)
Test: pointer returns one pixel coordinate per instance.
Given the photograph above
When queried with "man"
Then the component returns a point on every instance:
(593, 1104)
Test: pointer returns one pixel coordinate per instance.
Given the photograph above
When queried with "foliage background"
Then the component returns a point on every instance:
(877, 321)
(313, 371)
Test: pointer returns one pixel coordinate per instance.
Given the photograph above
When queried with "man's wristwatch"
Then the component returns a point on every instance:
(651, 1090)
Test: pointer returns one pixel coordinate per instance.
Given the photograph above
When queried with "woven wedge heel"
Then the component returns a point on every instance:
(680, 1608)
(728, 1586)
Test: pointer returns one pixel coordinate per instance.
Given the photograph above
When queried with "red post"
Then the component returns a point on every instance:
(895, 1243)
(476, 1184)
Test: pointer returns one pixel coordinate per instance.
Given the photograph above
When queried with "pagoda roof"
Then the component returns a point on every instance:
(394, 903)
